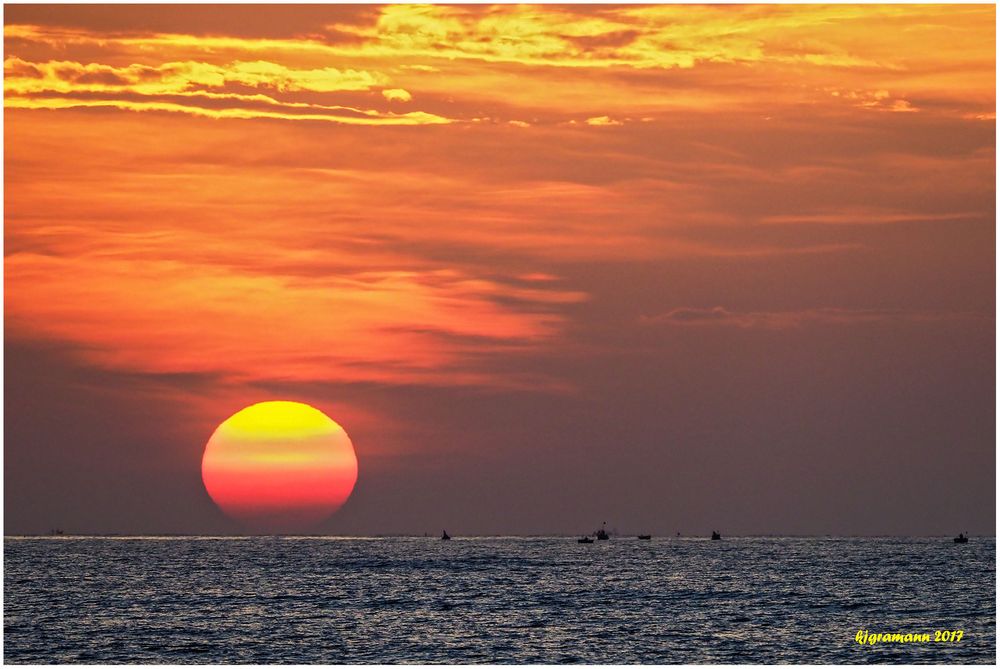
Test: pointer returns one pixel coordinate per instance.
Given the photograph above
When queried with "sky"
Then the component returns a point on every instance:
(676, 268)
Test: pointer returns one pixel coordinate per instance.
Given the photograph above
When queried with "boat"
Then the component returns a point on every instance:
(584, 540)
(716, 536)
(601, 534)
(444, 536)
(646, 537)
(961, 539)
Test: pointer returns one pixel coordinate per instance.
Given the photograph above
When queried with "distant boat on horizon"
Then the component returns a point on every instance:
(716, 536)
(962, 538)
(584, 540)
(602, 534)
(444, 536)
(645, 537)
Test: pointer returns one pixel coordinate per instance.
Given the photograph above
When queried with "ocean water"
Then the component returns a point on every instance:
(494, 600)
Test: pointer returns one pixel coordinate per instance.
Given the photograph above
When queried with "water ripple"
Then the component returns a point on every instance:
(493, 600)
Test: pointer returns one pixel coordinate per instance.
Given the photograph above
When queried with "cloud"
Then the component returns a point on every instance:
(186, 86)
(174, 316)
(782, 320)
(645, 37)
(640, 60)
(21, 77)
(396, 95)
(190, 212)
(880, 100)
(363, 117)
(602, 120)
(866, 216)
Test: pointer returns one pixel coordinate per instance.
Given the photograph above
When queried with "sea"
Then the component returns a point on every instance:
(497, 600)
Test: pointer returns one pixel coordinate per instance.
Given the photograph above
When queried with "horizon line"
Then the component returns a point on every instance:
(171, 535)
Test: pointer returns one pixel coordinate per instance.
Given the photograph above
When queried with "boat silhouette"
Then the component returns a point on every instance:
(601, 534)
(444, 536)
(584, 540)
(646, 537)
(716, 536)
(962, 538)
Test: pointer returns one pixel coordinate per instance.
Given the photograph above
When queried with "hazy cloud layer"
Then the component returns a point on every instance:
(794, 319)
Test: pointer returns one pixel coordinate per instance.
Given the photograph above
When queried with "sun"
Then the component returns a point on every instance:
(279, 466)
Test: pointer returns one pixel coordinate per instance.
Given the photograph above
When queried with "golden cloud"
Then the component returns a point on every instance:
(397, 95)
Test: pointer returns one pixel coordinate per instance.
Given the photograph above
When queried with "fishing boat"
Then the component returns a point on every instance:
(716, 536)
(961, 539)
(584, 540)
(444, 536)
(602, 534)
(645, 537)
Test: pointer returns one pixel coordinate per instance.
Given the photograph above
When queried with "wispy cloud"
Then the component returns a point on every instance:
(21, 76)
(201, 89)
(347, 116)
(167, 316)
(394, 194)
(862, 216)
(677, 57)
(782, 320)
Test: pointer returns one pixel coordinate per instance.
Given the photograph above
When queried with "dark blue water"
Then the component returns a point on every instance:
(495, 600)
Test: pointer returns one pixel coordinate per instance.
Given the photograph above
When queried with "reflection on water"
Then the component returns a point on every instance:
(497, 600)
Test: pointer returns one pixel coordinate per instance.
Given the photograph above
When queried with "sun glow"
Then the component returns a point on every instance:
(279, 466)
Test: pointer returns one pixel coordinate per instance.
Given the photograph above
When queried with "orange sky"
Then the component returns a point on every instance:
(443, 196)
